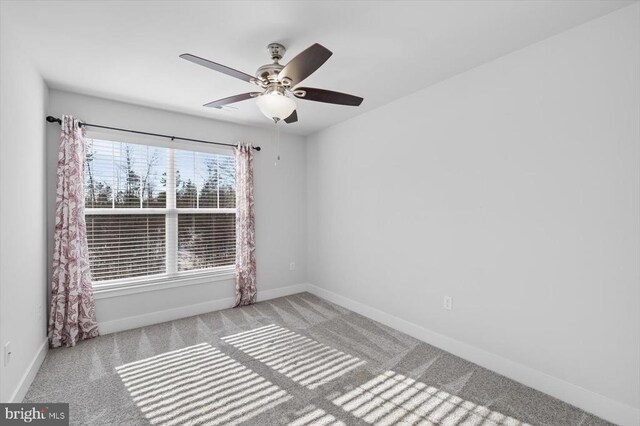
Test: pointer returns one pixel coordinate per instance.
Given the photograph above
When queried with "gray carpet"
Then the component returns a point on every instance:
(298, 360)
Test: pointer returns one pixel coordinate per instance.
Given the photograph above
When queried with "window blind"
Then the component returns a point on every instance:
(206, 240)
(122, 246)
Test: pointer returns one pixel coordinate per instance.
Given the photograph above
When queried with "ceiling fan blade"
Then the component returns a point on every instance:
(328, 96)
(231, 99)
(305, 64)
(217, 67)
(292, 118)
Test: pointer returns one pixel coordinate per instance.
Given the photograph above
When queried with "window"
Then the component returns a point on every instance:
(156, 212)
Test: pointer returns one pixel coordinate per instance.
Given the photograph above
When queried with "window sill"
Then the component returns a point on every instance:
(123, 288)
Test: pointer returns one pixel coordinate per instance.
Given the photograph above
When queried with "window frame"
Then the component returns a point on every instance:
(171, 278)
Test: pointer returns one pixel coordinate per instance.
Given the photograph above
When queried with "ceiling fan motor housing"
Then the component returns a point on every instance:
(269, 73)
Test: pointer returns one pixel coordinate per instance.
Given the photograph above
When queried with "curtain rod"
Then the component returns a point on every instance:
(52, 119)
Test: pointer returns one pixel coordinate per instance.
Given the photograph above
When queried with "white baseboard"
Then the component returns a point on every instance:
(30, 374)
(602, 406)
(281, 292)
(128, 323)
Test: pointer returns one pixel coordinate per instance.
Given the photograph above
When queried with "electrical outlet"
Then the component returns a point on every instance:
(39, 313)
(447, 303)
(292, 266)
(7, 353)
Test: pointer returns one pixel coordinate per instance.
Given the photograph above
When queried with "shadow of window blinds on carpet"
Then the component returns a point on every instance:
(198, 384)
(299, 358)
(392, 398)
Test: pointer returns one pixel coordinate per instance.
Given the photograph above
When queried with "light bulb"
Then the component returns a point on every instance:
(275, 105)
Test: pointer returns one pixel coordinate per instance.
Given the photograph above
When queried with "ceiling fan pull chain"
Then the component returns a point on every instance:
(276, 121)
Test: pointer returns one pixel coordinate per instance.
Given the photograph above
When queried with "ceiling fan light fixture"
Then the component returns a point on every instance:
(275, 105)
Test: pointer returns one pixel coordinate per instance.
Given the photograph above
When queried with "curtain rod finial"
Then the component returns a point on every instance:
(257, 148)
(52, 119)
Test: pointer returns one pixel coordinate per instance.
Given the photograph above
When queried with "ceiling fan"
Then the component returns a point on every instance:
(277, 81)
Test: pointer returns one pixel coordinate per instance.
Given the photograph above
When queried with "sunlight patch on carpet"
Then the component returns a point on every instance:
(198, 385)
(313, 416)
(299, 358)
(392, 398)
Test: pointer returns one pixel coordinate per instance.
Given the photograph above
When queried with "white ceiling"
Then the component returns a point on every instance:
(381, 50)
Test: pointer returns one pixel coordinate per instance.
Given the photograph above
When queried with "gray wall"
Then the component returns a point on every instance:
(23, 275)
(513, 188)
